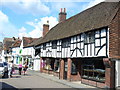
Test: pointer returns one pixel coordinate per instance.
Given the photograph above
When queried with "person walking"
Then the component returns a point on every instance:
(20, 69)
(25, 69)
(10, 69)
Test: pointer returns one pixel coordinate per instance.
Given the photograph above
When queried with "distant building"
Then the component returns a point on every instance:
(1, 47)
(15, 52)
(7, 43)
(28, 51)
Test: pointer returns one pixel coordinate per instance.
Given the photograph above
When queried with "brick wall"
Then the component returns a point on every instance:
(75, 77)
(109, 73)
(93, 83)
(114, 37)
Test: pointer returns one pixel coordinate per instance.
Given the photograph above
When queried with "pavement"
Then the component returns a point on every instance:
(75, 84)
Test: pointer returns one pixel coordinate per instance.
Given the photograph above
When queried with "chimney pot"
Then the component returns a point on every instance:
(61, 10)
(64, 10)
(62, 15)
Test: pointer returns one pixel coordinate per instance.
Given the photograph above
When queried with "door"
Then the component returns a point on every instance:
(65, 70)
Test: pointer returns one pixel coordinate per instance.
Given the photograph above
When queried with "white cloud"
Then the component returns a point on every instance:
(7, 29)
(35, 7)
(23, 32)
(38, 25)
(93, 2)
(35, 33)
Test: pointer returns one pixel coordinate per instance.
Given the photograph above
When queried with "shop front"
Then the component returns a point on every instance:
(98, 72)
(50, 66)
(93, 72)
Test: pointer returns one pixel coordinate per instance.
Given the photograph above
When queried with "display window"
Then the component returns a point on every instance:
(93, 70)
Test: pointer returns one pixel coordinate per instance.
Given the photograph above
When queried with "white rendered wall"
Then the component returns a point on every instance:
(117, 73)
(36, 65)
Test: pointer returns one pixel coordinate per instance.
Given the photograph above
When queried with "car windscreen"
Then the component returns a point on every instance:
(1, 64)
(5, 64)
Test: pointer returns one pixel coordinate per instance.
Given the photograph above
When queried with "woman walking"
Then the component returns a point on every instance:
(25, 68)
(20, 69)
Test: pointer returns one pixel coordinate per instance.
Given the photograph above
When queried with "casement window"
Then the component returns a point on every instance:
(37, 51)
(54, 45)
(65, 43)
(44, 46)
(89, 37)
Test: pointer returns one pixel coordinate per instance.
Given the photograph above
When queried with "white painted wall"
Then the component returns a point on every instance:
(118, 73)
(28, 51)
(36, 64)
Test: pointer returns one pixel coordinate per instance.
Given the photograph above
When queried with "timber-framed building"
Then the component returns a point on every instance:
(84, 47)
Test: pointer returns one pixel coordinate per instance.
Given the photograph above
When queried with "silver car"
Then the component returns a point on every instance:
(3, 69)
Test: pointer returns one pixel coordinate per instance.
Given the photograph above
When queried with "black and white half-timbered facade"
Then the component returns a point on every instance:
(89, 44)
(82, 47)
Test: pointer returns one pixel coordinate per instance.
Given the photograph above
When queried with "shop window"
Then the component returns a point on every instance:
(74, 68)
(93, 70)
(54, 45)
(89, 38)
(56, 66)
(47, 65)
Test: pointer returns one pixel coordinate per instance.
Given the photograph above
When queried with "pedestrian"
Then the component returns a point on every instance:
(10, 69)
(25, 68)
(20, 69)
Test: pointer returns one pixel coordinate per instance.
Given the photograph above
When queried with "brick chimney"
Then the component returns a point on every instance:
(62, 15)
(45, 28)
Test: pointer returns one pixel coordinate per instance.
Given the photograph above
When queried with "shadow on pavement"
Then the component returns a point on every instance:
(5, 86)
(12, 77)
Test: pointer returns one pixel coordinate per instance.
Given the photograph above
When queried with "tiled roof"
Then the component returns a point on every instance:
(34, 42)
(93, 18)
(17, 44)
(7, 43)
(28, 40)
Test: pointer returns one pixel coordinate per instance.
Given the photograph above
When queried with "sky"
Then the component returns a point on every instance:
(20, 18)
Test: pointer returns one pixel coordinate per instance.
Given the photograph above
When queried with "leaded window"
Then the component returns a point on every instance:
(65, 43)
(89, 37)
(54, 45)
(44, 46)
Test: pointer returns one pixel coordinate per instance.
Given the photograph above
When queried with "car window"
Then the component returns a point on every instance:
(1, 64)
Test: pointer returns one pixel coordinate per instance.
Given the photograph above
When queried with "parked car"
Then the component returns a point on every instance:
(3, 69)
